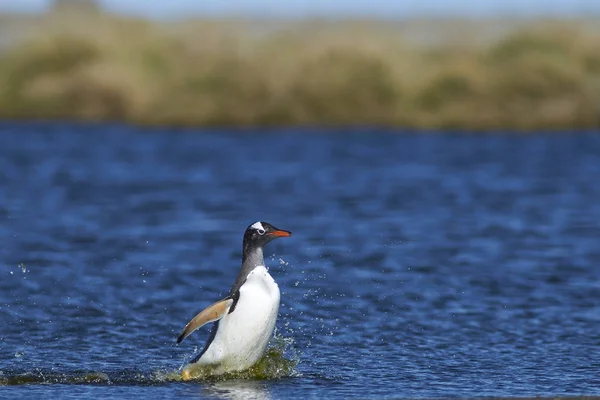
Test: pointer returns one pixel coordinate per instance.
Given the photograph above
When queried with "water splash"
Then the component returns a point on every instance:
(276, 363)
(273, 365)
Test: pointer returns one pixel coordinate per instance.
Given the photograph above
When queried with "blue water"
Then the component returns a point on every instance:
(420, 266)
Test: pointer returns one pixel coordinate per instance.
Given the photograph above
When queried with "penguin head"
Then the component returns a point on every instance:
(260, 233)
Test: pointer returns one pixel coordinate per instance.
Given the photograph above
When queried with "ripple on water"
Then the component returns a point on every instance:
(420, 266)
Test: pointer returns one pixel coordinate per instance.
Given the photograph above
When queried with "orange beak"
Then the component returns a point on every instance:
(281, 233)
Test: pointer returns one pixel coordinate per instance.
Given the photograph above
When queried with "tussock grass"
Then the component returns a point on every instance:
(536, 75)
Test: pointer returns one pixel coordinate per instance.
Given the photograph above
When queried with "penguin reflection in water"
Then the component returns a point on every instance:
(244, 320)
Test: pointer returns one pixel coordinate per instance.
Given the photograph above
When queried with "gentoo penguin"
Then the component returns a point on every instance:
(244, 320)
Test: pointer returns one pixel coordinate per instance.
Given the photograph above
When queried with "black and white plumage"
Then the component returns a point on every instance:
(244, 320)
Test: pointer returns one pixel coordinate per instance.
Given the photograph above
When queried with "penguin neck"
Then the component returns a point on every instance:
(252, 258)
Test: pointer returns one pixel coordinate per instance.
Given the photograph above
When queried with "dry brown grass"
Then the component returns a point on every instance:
(255, 73)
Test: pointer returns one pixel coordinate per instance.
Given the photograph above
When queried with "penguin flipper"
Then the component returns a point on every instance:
(212, 313)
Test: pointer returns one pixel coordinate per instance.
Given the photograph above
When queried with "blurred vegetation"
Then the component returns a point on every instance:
(88, 65)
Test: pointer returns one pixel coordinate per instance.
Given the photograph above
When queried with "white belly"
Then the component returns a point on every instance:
(243, 335)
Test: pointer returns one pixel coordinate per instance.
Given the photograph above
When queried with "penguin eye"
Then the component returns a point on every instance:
(261, 231)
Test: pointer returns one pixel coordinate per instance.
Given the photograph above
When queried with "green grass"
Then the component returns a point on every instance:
(98, 67)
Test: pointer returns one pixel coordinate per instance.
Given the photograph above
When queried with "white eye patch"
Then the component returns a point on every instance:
(259, 227)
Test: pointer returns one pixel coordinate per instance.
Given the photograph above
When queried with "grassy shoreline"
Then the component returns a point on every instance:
(415, 74)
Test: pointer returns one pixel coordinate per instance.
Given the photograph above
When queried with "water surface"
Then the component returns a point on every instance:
(421, 265)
